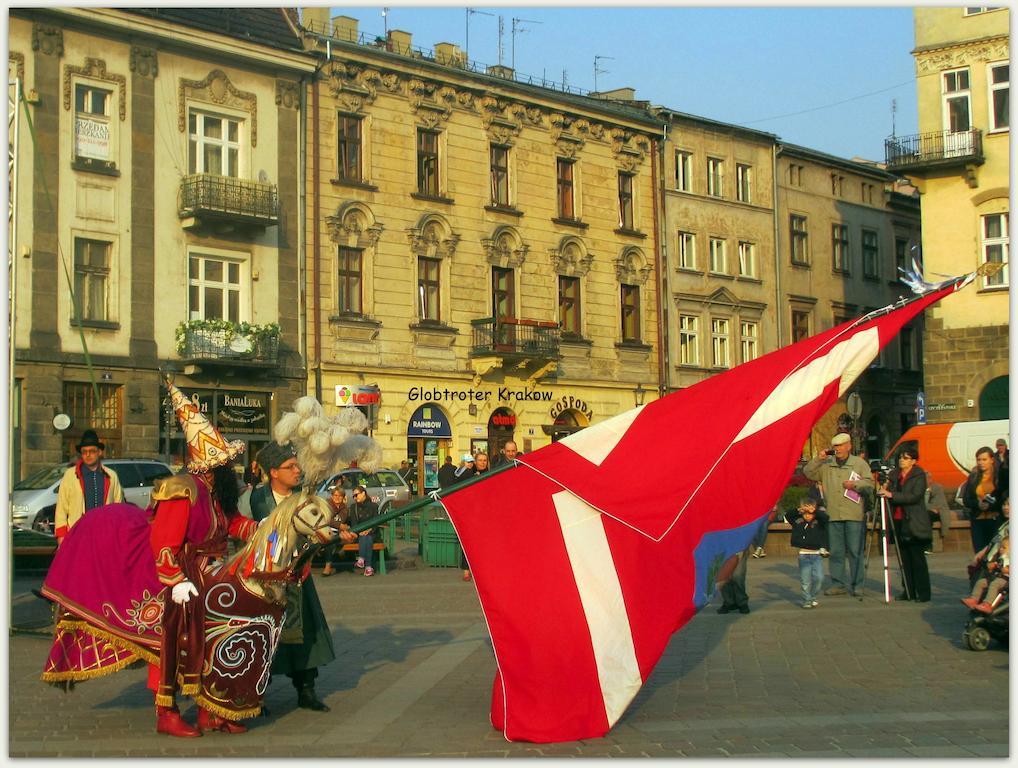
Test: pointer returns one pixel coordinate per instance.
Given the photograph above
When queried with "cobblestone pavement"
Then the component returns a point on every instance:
(414, 671)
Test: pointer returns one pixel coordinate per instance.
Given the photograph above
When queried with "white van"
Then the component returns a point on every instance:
(948, 451)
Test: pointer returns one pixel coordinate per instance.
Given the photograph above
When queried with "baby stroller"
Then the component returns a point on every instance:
(983, 626)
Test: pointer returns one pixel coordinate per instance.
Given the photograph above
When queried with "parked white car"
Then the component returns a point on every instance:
(34, 499)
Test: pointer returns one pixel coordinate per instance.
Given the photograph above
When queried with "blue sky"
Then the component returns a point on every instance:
(823, 77)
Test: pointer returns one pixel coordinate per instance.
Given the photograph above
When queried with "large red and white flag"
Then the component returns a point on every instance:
(592, 551)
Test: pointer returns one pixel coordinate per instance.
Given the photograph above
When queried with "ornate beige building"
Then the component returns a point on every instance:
(159, 180)
(960, 161)
(484, 252)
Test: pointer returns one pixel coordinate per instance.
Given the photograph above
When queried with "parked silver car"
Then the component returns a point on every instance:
(34, 499)
(384, 486)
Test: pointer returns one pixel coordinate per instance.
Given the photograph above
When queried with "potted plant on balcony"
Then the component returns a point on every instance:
(221, 338)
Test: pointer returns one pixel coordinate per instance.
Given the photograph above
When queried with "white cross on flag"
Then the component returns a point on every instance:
(592, 551)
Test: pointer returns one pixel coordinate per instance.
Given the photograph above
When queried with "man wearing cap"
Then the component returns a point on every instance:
(466, 468)
(844, 479)
(85, 486)
(305, 642)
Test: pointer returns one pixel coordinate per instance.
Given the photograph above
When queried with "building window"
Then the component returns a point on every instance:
(744, 183)
(837, 185)
(901, 259)
(867, 193)
(564, 175)
(103, 415)
(715, 177)
(957, 99)
(503, 293)
(213, 144)
(687, 250)
(906, 341)
(92, 278)
(429, 286)
(870, 253)
(569, 305)
(626, 201)
(795, 175)
(631, 313)
(499, 175)
(427, 162)
(689, 340)
(976, 9)
(839, 248)
(747, 259)
(800, 239)
(684, 171)
(718, 259)
(750, 337)
(800, 325)
(719, 331)
(216, 288)
(349, 278)
(350, 148)
(92, 122)
(995, 248)
(1000, 96)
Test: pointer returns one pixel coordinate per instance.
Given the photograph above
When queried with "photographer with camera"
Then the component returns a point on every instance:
(905, 490)
(844, 479)
(983, 496)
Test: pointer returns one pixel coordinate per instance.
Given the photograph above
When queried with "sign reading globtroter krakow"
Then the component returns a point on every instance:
(349, 394)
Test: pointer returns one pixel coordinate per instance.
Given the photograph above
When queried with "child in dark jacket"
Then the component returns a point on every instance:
(809, 534)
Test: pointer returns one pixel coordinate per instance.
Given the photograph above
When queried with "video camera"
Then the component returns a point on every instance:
(878, 468)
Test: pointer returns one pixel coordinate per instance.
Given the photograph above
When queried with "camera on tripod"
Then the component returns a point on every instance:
(878, 468)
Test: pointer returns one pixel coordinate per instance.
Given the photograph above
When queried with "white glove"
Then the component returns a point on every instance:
(182, 592)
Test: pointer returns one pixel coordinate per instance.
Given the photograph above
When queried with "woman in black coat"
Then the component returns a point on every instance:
(905, 491)
(983, 496)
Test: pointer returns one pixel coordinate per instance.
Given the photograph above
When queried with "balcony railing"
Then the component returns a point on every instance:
(931, 150)
(509, 337)
(215, 345)
(204, 195)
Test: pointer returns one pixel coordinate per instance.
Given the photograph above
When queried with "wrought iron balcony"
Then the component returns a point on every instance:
(215, 345)
(928, 151)
(519, 339)
(205, 196)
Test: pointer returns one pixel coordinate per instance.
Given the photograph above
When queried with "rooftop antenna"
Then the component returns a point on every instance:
(598, 71)
(518, 27)
(565, 80)
(894, 109)
(501, 33)
(471, 12)
(385, 21)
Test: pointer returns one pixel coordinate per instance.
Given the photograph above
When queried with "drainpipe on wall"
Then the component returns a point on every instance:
(661, 275)
(302, 210)
(778, 308)
(315, 246)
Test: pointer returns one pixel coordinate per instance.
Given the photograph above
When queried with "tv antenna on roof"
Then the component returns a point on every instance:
(598, 71)
(518, 27)
(385, 20)
(471, 12)
(894, 109)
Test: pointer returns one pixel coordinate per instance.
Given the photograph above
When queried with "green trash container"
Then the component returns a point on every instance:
(441, 545)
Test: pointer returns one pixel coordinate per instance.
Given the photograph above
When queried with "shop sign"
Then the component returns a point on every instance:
(503, 419)
(91, 138)
(429, 421)
(568, 402)
(349, 394)
(243, 412)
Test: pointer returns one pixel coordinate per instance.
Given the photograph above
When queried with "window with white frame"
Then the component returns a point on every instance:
(747, 259)
(715, 177)
(839, 248)
(719, 332)
(92, 126)
(750, 338)
(689, 340)
(956, 100)
(92, 278)
(217, 287)
(995, 246)
(684, 171)
(744, 183)
(1000, 96)
(214, 143)
(718, 258)
(870, 253)
(687, 250)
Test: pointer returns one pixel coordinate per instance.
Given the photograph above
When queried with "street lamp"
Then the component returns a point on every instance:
(638, 394)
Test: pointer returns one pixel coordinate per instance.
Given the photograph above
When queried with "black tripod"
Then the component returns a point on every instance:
(886, 523)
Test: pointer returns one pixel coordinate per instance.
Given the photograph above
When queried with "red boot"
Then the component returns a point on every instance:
(169, 721)
(210, 722)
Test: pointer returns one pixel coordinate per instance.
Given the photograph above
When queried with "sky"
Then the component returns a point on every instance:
(820, 76)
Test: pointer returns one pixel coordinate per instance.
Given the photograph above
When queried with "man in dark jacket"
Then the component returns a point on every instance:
(306, 642)
(447, 473)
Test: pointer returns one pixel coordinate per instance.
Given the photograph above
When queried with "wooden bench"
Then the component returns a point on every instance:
(379, 546)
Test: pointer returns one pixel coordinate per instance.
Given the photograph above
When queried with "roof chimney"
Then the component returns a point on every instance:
(450, 55)
(344, 28)
(399, 41)
(618, 94)
(500, 70)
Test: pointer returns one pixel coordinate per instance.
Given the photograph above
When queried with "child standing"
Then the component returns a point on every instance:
(809, 534)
